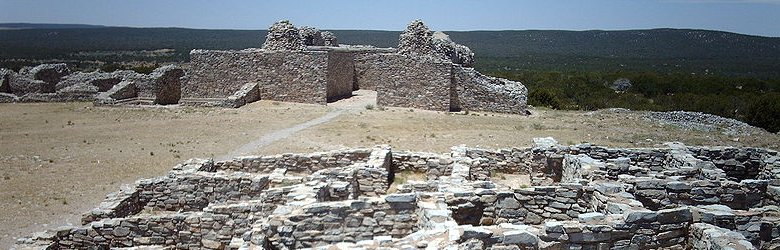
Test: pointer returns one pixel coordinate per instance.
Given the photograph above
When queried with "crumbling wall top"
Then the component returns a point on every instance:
(283, 35)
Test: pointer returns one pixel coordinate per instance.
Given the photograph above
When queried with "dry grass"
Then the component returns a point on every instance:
(59, 160)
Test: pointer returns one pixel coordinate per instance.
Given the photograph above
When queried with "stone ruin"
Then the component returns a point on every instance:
(427, 71)
(56, 83)
(573, 197)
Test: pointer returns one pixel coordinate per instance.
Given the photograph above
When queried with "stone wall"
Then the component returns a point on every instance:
(432, 165)
(162, 86)
(475, 92)
(347, 221)
(368, 68)
(294, 163)
(194, 191)
(182, 230)
(412, 82)
(341, 75)
(605, 198)
(294, 76)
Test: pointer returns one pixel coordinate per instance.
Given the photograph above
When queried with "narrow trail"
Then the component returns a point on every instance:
(355, 103)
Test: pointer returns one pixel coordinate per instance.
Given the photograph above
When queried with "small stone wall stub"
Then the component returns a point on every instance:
(404, 81)
(294, 76)
(341, 75)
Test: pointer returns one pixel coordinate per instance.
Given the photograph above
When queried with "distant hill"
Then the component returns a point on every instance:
(662, 50)
(19, 26)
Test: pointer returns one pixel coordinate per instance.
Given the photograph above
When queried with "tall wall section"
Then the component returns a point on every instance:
(293, 76)
(412, 82)
(341, 74)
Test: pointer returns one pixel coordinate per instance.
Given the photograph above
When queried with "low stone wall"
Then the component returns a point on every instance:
(432, 165)
(181, 230)
(658, 193)
(473, 91)
(738, 163)
(509, 161)
(344, 221)
(194, 191)
(295, 163)
(705, 237)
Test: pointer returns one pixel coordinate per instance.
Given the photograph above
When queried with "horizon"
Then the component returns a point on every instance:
(483, 30)
(749, 17)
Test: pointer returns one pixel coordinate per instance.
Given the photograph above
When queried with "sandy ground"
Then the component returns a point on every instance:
(58, 160)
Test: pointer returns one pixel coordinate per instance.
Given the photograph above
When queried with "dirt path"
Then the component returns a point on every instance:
(358, 101)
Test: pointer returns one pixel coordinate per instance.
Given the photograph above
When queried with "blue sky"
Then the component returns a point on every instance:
(755, 17)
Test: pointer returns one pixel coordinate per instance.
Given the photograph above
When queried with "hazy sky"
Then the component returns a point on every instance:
(756, 17)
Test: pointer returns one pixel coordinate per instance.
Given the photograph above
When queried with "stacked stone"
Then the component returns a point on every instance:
(432, 165)
(328, 208)
(738, 164)
(163, 85)
(347, 221)
(283, 35)
(329, 39)
(510, 161)
(50, 74)
(5, 80)
(194, 191)
(660, 193)
(706, 236)
(311, 36)
(182, 230)
(95, 81)
(534, 205)
(416, 39)
(446, 48)
(295, 163)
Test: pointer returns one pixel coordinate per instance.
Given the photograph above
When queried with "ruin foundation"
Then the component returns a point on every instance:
(576, 197)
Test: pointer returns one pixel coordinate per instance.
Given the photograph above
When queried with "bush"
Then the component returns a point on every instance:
(544, 98)
(764, 111)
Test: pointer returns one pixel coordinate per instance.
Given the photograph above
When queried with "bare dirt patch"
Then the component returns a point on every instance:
(59, 160)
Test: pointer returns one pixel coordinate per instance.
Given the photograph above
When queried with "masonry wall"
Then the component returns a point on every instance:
(366, 63)
(476, 92)
(282, 75)
(404, 81)
(341, 75)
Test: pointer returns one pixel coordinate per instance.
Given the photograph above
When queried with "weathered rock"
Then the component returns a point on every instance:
(5, 80)
(416, 39)
(447, 49)
(329, 39)
(163, 85)
(621, 84)
(283, 35)
(51, 74)
(8, 97)
(311, 36)
(101, 80)
(521, 238)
